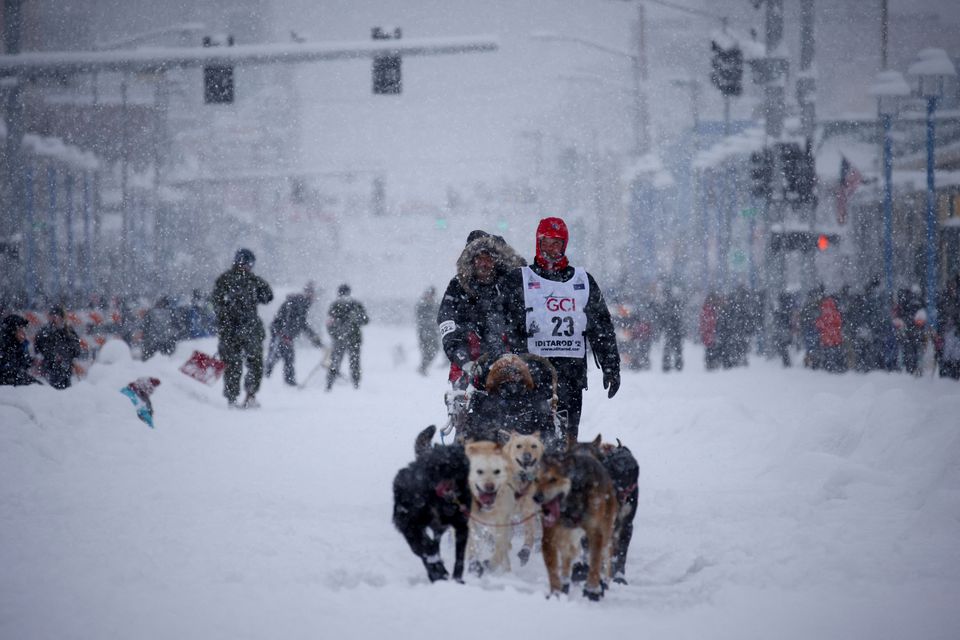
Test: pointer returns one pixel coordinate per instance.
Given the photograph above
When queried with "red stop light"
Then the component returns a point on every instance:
(823, 242)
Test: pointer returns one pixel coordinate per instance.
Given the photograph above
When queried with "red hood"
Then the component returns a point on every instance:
(552, 228)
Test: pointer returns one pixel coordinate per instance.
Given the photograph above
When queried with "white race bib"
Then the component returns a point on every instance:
(556, 314)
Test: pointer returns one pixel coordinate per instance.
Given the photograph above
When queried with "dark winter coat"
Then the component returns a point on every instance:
(291, 319)
(15, 360)
(235, 297)
(599, 333)
(344, 319)
(59, 347)
(426, 316)
(671, 317)
(160, 330)
(470, 317)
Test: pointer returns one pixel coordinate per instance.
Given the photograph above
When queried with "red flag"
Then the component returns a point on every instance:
(850, 179)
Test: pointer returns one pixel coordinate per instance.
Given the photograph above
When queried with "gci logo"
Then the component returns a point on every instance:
(561, 304)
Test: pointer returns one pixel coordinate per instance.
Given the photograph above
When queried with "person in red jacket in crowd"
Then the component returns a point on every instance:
(708, 329)
(830, 329)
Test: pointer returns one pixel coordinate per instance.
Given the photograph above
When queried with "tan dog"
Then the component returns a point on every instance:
(493, 503)
(576, 495)
(523, 455)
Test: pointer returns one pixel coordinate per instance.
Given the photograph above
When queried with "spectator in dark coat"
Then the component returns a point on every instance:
(344, 319)
(783, 327)
(289, 323)
(427, 336)
(554, 310)
(59, 346)
(671, 322)
(235, 297)
(15, 360)
(160, 329)
(950, 351)
(911, 325)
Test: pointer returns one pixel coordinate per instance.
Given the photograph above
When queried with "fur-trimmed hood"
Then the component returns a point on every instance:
(503, 255)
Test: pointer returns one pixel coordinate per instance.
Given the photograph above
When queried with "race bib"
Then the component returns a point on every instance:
(556, 314)
(447, 326)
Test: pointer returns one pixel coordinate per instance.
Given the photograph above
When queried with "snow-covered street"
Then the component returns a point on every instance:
(773, 503)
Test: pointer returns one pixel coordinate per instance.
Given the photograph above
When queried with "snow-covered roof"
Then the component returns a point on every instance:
(889, 83)
(743, 143)
(56, 148)
(932, 62)
(649, 167)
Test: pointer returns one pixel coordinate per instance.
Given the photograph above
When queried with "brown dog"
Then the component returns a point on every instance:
(576, 495)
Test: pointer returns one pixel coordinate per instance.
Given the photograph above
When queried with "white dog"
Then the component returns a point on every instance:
(493, 503)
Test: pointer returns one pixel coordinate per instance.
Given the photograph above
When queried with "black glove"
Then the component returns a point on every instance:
(611, 382)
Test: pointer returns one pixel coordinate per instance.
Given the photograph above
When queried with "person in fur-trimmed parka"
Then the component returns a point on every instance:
(470, 316)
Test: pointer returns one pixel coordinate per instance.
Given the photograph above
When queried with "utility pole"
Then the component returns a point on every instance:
(13, 214)
(806, 98)
(643, 109)
(773, 91)
(884, 33)
(771, 71)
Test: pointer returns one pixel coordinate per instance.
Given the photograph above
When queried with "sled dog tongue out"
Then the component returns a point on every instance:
(551, 511)
(486, 498)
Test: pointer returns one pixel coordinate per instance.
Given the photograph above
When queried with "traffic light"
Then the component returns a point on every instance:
(799, 173)
(802, 241)
(386, 68)
(806, 180)
(217, 78)
(727, 74)
(761, 173)
(826, 240)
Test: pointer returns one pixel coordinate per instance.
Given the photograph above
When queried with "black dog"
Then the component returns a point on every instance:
(622, 466)
(625, 473)
(432, 493)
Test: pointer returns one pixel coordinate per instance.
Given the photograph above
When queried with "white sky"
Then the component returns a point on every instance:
(462, 117)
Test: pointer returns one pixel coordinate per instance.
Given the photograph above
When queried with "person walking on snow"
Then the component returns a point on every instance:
(235, 297)
(427, 338)
(289, 323)
(344, 319)
(552, 310)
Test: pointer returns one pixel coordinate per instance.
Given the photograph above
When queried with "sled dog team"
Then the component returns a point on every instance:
(583, 499)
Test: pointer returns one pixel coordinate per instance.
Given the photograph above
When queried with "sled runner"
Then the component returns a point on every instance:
(205, 368)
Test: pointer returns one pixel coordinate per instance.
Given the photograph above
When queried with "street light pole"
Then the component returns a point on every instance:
(932, 67)
(640, 71)
(931, 215)
(888, 87)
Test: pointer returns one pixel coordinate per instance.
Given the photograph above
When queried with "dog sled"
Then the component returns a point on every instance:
(515, 392)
